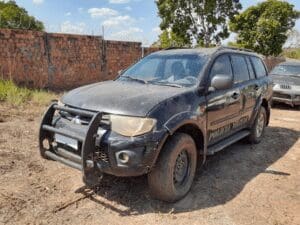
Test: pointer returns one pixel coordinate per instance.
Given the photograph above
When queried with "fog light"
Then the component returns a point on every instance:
(124, 157)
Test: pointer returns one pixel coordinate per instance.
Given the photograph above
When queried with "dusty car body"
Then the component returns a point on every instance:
(160, 117)
(286, 78)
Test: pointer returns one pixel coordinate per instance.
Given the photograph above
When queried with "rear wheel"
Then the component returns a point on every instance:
(259, 126)
(173, 175)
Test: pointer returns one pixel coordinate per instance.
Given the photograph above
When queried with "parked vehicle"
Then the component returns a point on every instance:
(286, 78)
(161, 117)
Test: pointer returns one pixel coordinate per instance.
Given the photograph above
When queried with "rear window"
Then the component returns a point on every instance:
(259, 67)
(240, 69)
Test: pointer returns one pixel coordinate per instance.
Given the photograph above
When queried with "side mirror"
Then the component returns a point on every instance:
(221, 81)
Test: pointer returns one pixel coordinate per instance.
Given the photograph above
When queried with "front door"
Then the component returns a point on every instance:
(223, 106)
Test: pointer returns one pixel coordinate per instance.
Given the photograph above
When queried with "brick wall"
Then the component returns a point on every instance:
(120, 55)
(73, 60)
(22, 57)
(63, 61)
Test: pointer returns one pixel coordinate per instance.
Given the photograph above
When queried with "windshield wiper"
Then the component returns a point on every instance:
(167, 84)
(135, 79)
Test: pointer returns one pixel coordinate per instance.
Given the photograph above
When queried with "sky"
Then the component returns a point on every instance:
(130, 20)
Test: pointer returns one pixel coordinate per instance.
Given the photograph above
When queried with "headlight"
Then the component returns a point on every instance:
(131, 126)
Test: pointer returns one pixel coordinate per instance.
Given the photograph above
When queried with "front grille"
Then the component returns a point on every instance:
(285, 86)
(104, 123)
(75, 119)
(101, 156)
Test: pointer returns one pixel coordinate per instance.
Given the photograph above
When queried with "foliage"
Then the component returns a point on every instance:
(195, 22)
(234, 44)
(168, 39)
(293, 53)
(264, 27)
(14, 17)
(15, 95)
(11, 93)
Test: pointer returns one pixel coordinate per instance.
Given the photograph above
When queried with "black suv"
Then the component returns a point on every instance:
(161, 117)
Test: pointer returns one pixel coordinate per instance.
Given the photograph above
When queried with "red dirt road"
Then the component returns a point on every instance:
(245, 184)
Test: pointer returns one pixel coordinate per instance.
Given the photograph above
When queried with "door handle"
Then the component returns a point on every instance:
(235, 95)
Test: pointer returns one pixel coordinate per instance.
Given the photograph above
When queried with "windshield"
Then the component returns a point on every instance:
(286, 70)
(171, 70)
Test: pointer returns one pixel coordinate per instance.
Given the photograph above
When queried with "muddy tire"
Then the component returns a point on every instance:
(173, 174)
(257, 131)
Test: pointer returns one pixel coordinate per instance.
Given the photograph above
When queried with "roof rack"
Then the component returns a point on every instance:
(235, 48)
(170, 48)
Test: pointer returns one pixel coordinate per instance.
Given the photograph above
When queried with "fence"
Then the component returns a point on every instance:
(63, 61)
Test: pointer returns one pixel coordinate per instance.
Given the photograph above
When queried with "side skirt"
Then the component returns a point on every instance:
(226, 142)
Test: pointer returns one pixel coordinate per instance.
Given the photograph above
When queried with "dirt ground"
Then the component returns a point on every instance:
(245, 184)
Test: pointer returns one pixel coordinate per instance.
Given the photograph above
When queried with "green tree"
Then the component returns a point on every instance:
(196, 22)
(234, 44)
(264, 27)
(168, 39)
(14, 17)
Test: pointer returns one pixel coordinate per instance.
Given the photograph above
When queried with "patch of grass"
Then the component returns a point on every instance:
(9, 92)
(12, 94)
(42, 97)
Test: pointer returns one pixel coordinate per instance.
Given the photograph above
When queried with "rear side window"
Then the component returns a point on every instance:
(259, 67)
(221, 66)
(250, 68)
(240, 69)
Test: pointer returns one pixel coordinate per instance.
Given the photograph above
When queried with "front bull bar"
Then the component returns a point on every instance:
(91, 169)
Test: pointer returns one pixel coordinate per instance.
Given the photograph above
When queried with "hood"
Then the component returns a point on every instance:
(285, 79)
(120, 97)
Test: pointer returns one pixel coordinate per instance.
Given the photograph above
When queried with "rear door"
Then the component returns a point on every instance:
(223, 106)
(253, 90)
(244, 79)
(262, 83)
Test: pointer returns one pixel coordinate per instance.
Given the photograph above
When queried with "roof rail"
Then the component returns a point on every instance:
(235, 48)
(170, 48)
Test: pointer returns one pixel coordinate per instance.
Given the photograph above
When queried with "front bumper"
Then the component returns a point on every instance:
(286, 97)
(286, 93)
(98, 149)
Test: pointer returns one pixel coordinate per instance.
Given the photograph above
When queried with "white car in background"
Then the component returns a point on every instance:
(286, 79)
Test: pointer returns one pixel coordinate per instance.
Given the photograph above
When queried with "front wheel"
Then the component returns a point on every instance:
(259, 126)
(173, 174)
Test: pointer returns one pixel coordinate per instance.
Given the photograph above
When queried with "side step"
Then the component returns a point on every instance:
(226, 142)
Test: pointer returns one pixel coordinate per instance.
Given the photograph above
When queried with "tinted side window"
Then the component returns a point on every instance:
(259, 67)
(240, 69)
(221, 65)
(250, 68)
